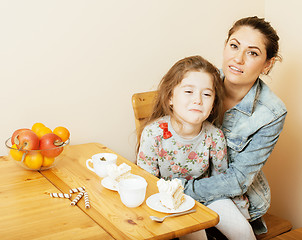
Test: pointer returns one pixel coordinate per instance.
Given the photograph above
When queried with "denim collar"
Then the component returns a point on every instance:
(246, 105)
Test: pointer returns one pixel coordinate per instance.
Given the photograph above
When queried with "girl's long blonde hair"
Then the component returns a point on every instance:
(174, 77)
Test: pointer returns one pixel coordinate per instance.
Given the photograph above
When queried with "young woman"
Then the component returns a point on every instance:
(253, 120)
(178, 141)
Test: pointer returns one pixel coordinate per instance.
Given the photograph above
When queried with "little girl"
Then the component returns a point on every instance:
(179, 140)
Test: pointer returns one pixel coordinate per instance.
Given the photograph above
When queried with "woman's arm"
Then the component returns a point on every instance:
(242, 170)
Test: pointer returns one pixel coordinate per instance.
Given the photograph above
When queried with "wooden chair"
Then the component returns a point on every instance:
(143, 103)
(275, 226)
(291, 235)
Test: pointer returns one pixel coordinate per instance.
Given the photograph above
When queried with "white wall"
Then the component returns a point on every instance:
(284, 166)
(77, 63)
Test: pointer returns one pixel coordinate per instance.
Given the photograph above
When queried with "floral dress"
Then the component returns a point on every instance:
(167, 155)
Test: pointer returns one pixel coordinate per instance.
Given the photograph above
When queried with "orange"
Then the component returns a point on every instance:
(16, 154)
(62, 132)
(48, 161)
(34, 160)
(42, 131)
(37, 126)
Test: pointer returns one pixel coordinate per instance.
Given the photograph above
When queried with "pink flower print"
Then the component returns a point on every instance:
(205, 154)
(192, 155)
(213, 144)
(220, 155)
(175, 168)
(142, 156)
(154, 168)
(172, 162)
(204, 166)
(168, 157)
(184, 171)
(208, 141)
(153, 159)
(162, 153)
(213, 153)
(175, 152)
(157, 138)
(148, 163)
(178, 145)
(199, 160)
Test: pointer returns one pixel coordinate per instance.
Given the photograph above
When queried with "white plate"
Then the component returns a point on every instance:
(154, 203)
(108, 183)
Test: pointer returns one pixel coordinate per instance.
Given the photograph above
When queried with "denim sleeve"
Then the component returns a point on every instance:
(243, 168)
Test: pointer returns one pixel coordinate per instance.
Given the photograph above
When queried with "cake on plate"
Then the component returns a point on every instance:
(171, 193)
(117, 173)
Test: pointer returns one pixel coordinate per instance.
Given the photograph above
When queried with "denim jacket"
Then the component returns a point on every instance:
(252, 129)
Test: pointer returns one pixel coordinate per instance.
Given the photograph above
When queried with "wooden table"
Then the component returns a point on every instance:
(29, 212)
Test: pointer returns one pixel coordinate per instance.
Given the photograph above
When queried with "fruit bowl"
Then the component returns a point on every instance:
(36, 159)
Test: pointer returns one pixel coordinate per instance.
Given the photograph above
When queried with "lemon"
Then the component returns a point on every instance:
(33, 160)
(15, 153)
(62, 132)
(37, 126)
(48, 161)
(42, 131)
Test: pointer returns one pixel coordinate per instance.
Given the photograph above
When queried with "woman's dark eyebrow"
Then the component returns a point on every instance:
(234, 39)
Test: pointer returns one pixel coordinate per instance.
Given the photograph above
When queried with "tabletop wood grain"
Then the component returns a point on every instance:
(28, 212)
(107, 209)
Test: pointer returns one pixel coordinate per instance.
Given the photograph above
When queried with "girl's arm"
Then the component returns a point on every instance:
(245, 165)
(147, 157)
(219, 162)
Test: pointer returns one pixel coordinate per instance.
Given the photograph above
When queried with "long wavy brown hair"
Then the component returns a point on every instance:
(174, 77)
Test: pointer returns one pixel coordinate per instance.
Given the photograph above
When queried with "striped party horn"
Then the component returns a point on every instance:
(87, 204)
(75, 190)
(60, 195)
(77, 198)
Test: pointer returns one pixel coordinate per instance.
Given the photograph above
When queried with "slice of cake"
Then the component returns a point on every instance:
(117, 173)
(171, 193)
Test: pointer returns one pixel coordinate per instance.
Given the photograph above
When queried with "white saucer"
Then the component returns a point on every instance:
(154, 203)
(108, 183)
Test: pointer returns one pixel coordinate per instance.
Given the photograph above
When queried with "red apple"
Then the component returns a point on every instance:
(51, 143)
(16, 133)
(27, 140)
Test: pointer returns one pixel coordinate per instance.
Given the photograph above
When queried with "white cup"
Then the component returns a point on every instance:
(99, 165)
(132, 191)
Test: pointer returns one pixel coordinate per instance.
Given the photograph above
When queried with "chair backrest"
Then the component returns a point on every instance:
(142, 104)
